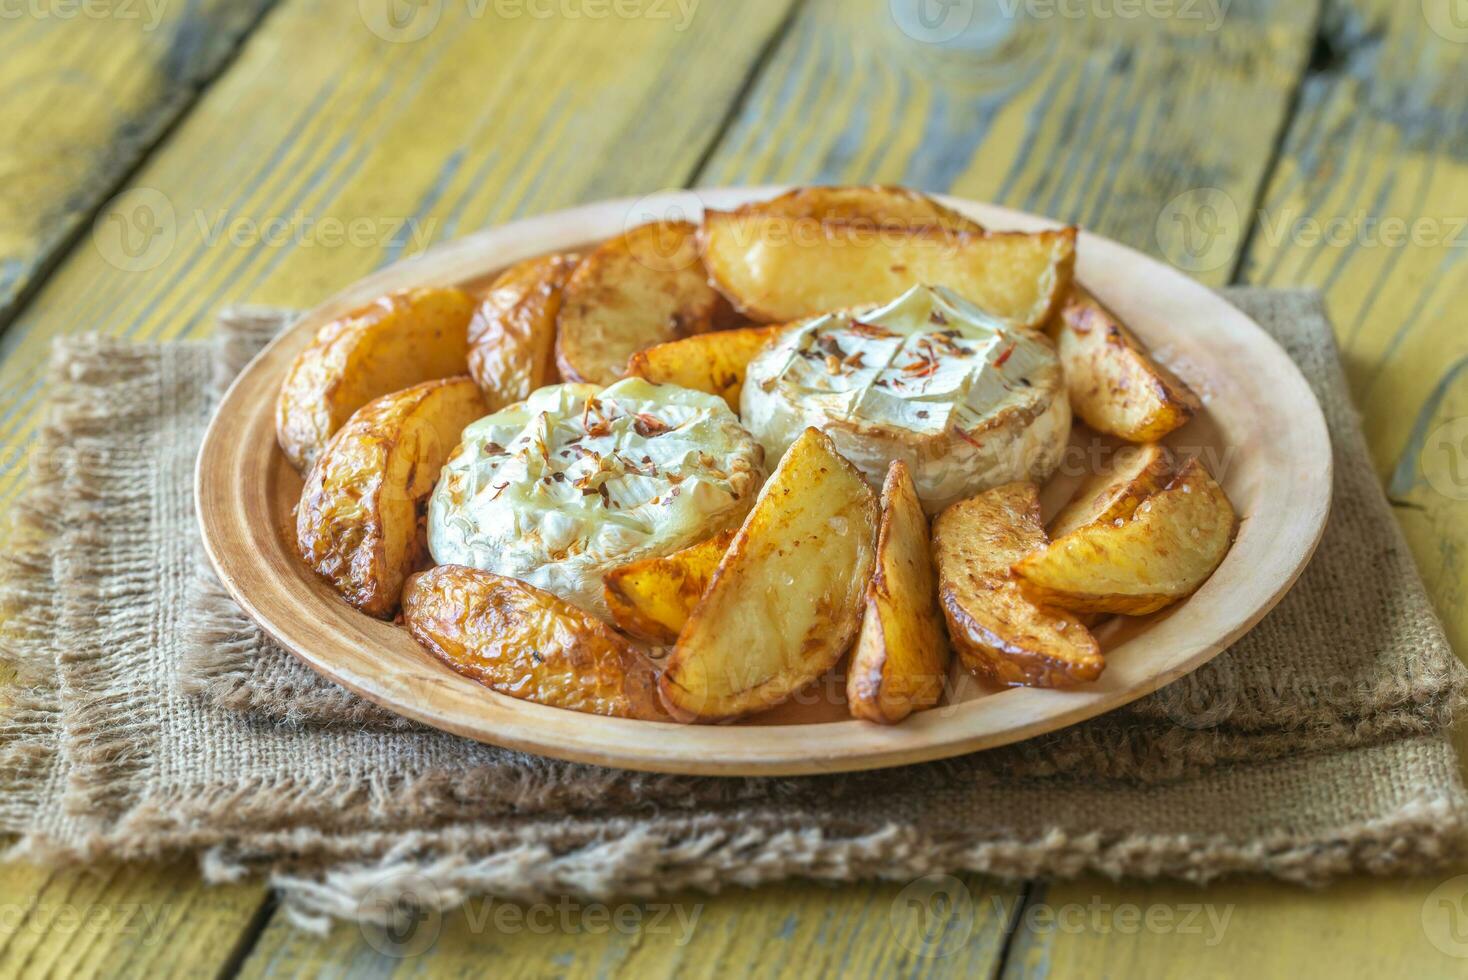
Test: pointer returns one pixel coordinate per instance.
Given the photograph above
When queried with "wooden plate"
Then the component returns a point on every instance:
(1262, 434)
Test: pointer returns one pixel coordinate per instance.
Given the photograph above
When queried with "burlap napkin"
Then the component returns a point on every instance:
(153, 718)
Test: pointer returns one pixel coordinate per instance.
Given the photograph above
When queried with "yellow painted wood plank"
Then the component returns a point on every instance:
(87, 89)
(1378, 138)
(801, 930)
(329, 149)
(1370, 203)
(1070, 110)
(1256, 929)
(119, 920)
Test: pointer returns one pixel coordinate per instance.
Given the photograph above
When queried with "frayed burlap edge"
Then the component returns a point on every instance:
(705, 854)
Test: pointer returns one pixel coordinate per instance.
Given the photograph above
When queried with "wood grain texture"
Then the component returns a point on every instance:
(124, 72)
(1360, 928)
(327, 151)
(798, 930)
(1370, 203)
(1099, 120)
(120, 920)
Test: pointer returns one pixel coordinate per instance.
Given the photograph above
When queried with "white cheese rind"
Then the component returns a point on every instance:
(574, 481)
(931, 379)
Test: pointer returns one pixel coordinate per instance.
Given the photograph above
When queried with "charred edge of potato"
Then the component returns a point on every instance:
(601, 324)
(999, 632)
(513, 331)
(883, 205)
(1122, 355)
(1054, 284)
(679, 580)
(1136, 473)
(902, 616)
(359, 519)
(1192, 480)
(394, 342)
(993, 658)
(528, 643)
(837, 617)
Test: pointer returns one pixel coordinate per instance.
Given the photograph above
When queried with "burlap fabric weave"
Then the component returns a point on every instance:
(152, 717)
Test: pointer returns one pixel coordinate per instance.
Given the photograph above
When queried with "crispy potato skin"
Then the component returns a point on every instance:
(1135, 473)
(652, 598)
(1164, 552)
(639, 289)
(529, 644)
(1114, 385)
(902, 652)
(396, 341)
(776, 269)
(786, 599)
(999, 632)
(712, 362)
(512, 335)
(877, 204)
(357, 521)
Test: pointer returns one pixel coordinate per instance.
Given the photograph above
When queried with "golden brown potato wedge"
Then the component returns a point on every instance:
(776, 269)
(357, 522)
(652, 598)
(786, 599)
(1000, 633)
(1162, 553)
(512, 336)
(1114, 385)
(399, 340)
(1134, 473)
(902, 652)
(881, 205)
(643, 288)
(711, 362)
(527, 643)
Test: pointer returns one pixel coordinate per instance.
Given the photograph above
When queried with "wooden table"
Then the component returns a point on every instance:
(160, 160)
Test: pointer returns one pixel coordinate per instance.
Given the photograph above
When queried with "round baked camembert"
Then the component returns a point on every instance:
(575, 480)
(967, 402)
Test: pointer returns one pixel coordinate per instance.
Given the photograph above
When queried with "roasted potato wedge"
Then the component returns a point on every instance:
(652, 598)
(1114, 384)
(1000, 633)
(776, 269)
(886, 206)
(786, 599)
(512, 336)
(397, 341)
(527, 643)
(1162, 553)
(711, 362)
(1133, 474)
(357, 522)
(902, 652)
(643, 288)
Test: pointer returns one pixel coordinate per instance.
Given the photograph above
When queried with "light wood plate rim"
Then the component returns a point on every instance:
(1278, 534)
